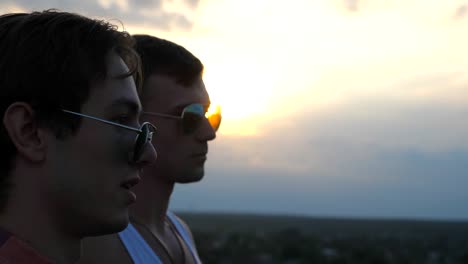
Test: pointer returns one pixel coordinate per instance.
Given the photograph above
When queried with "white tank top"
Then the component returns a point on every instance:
(142, 253)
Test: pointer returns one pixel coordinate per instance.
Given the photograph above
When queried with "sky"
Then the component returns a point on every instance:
(341, 108)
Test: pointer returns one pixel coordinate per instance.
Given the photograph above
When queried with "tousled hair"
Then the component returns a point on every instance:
(163, 57)
(49, 60)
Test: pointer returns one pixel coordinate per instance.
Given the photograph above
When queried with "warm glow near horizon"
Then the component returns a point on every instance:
(349, 101)
(265, 60)
(328, 107)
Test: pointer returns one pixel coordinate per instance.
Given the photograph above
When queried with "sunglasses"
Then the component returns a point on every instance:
(193, 115)
(144, 133)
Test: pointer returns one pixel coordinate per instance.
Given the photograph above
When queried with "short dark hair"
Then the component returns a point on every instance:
(163, 57)
(49, 60)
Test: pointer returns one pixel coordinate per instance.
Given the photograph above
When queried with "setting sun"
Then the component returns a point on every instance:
(339, 108)
(241, 96)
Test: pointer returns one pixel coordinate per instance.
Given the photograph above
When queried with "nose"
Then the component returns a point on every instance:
(205, 132)
(148, 156)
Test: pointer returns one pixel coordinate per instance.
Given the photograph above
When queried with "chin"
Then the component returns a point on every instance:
(110, 225)
(189, 180)
(191, 176)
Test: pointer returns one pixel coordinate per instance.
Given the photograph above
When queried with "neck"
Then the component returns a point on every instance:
(153, 195)
(43, 234)
(33, 217)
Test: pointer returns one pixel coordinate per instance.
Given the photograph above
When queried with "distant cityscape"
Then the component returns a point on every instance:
(231, 238)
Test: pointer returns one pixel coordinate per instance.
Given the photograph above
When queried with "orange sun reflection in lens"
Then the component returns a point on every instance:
(214, 116)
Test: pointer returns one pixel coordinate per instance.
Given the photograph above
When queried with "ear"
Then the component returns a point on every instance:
(24, 131)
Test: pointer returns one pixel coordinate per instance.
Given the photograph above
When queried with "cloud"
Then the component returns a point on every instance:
(400, 184)
(420, 115)
(402, 154)
(192, 3)
(136, 13)
(146, 3)
(352, 5)
(461, 11)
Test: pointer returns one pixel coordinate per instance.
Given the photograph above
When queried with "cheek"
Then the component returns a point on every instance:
(92, 161)
(115, 148)
(170, 152)
(168, 141)
(86, 167)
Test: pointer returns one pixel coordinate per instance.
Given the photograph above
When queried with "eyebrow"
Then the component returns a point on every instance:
(131, 105)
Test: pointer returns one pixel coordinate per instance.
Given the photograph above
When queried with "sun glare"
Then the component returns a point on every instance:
(239, 97)
(242, 98)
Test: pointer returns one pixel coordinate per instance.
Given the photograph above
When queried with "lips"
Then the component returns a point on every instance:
(128, 184)
(199, 157)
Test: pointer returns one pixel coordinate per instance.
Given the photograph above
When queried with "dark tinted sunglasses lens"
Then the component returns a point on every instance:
(141, 141)
(194, 114)
(191, 117)
(190, 121)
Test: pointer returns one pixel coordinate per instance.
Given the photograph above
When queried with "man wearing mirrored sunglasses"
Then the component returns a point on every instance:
(71, 140)
(174, 97)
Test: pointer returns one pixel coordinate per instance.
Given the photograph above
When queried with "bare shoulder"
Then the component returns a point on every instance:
(186, 227)
(104, 249)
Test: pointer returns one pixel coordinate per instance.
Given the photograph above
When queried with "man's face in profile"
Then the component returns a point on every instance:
(181, 155)
(90, 168)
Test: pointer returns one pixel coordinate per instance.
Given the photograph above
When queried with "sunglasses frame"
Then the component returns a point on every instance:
(137, 151)
(181, 116)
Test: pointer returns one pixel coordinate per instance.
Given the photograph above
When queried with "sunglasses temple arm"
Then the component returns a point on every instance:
(103, 121)
(161, 115)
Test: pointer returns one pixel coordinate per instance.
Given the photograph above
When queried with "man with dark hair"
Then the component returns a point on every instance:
(173, 95)
(72, 145)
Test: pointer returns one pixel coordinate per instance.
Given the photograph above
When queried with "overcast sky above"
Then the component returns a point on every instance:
(338, 108)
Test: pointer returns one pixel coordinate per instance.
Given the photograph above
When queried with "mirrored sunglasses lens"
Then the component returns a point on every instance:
(194, 114)
(190, 121)
(215, 121)
(214, 117)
